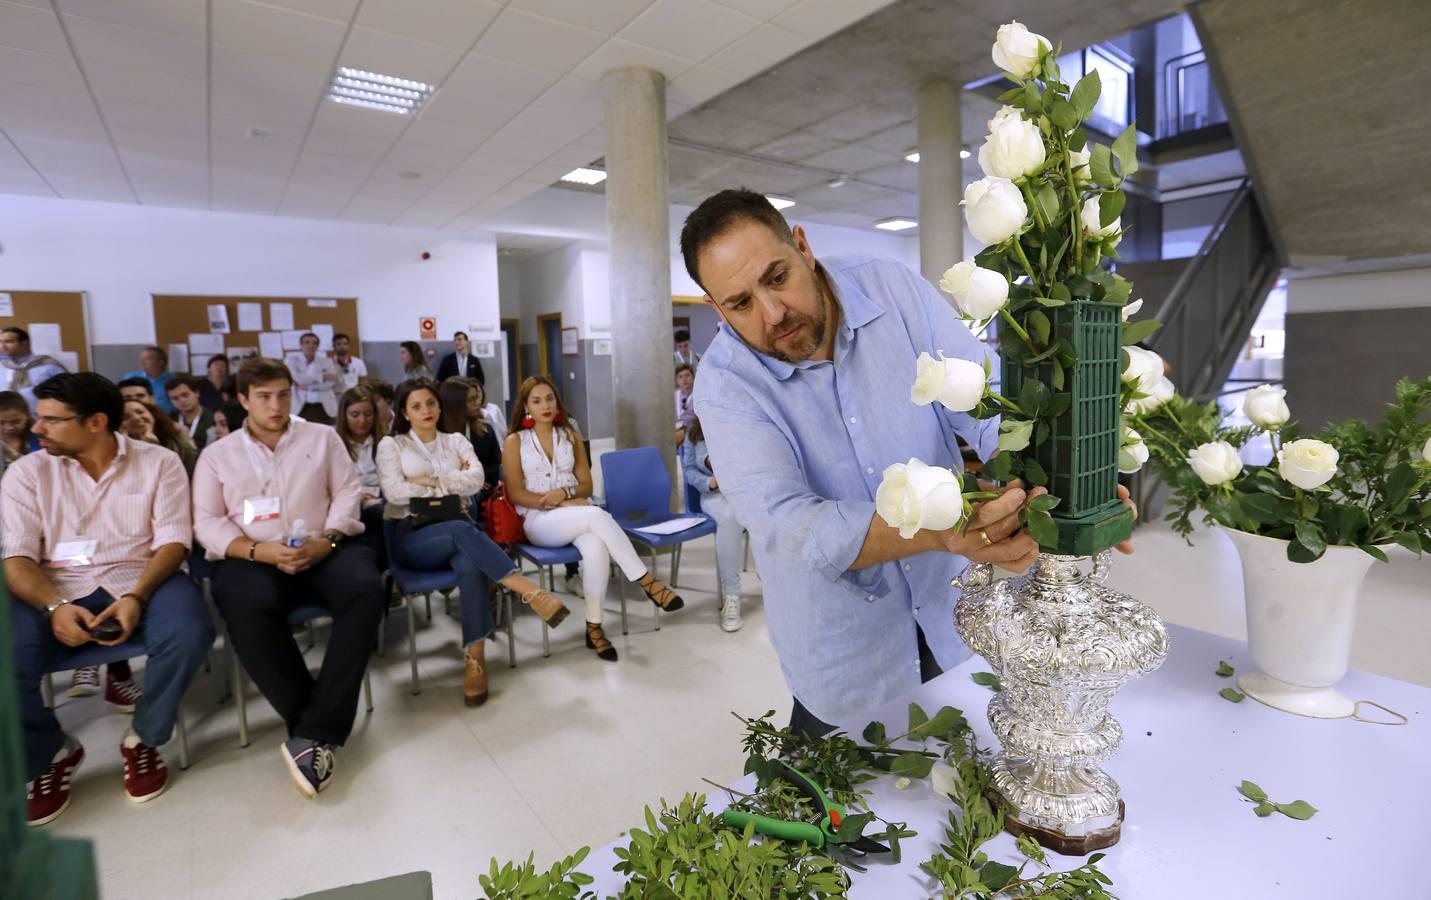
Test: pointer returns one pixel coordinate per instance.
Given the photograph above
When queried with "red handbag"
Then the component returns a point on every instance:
(500, 518)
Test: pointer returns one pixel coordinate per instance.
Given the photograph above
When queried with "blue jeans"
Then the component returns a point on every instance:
(457, 545)
(176, 632)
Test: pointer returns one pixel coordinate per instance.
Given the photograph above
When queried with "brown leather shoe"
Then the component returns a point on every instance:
(474, 680)
(596, 640)
(552, 610)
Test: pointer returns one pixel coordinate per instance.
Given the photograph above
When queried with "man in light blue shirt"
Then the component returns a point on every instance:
(154, 368)
(804, 399)
(22, 370)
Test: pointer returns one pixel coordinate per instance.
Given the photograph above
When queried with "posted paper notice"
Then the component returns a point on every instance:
(218, 319)
(250, 316)
(280, 316)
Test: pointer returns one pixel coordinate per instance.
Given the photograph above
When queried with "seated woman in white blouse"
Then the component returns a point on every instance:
(361, 432)
(416, 460)
(548, 479)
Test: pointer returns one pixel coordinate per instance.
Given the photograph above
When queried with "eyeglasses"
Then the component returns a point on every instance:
(52, 421)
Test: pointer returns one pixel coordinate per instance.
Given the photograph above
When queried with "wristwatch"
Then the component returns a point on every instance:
(333, 538)
(54, 605)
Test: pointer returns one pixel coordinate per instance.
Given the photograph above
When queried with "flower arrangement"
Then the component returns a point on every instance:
(1353, 484)
(1049, 209)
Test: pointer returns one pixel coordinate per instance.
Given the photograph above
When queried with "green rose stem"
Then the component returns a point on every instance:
(1077, 259)
(755, 727)
(1037, 213)
(1018, 329)
(1009, 405)
(1033, 279)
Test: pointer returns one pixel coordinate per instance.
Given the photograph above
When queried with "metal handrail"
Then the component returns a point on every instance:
(1181, 288)
(1172, 97)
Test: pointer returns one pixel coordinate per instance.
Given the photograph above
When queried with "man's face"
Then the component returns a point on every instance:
(310, 346)
(135, 392)
(269, 404)
(683, 348)
(340, 346)
(184, 399)
(12, 346)
(219, 368)
(460, 341)
(685, 380)
(61, 431)
(767, 290)
(150, 362)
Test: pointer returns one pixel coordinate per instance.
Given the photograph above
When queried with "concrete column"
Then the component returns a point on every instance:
(638, 222)
(941, 218)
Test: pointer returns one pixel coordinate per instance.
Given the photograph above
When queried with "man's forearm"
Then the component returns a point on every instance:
(28, 582)
(162, 564)
(883, 544)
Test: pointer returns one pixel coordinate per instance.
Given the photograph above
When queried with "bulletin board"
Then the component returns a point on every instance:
(63, 308)
(177, 317)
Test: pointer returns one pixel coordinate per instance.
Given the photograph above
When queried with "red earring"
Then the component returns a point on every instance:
(559, 418)
(528, 422)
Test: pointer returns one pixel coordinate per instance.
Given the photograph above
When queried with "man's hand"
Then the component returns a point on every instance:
(1127, 546)
(1007, 545)
(280, 556)
(313, 551)
(127, 611)
(71, 624)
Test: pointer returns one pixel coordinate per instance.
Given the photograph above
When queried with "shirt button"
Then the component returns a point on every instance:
(916, 610)
(907, 568)
(871, 598)
(853, 420)
(869, 470)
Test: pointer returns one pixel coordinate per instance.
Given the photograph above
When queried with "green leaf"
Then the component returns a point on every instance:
(1264, 809)
(1049, 204)
(1033, 395)
(1410, 541)
(1231, 695)
(994, 875)
(1126, 149)
(1298, 553)
(1299, 809)
(1077, 140)
(917, 716)
(1001, 467)
(1251, 790)
(1110, 207)
(1135, 332)
(1057, 379)
(1311, 537)
(1044, 502)
(1039, 327)
(1085, 94)
(1014, 434)
(1034, 472)
(1050, 302)
(988, 680)
(1100, 166)
(1060, 292)
(1117, 288)
(874, 733)
(1374, 552)
(1062, 114)
(1226, 671)
(1033, 102)
(912, 764)
(1042, 528)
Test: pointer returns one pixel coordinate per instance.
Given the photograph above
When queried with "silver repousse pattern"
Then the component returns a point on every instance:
(1062, 645)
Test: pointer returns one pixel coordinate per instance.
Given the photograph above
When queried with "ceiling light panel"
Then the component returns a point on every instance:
(584, 175)
(780, 202)
(384, 93)
(896, 224)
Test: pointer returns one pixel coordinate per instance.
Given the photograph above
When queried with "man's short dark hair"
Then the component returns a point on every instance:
(685, 367)
(154, 348)
(137, 381)
(340, 336)
(217, 357)
(718, 213)
(86, 394)
(682, 335)
(182, 380)
(382, 389)
(460, 334)
(309, 334)
(261, 370)
(19, 332)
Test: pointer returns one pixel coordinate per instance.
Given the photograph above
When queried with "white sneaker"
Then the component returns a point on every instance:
(730, 613)
(84, 682)
(573, 585)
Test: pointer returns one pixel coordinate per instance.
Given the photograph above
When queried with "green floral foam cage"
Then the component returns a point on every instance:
(1080, 451)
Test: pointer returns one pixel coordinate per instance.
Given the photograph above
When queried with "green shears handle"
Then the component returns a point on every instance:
(776, 828)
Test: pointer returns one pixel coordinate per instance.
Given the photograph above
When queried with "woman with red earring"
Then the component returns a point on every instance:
(548, 477)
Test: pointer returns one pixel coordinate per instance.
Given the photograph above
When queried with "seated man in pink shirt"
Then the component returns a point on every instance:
(95, 529)
(276, 501)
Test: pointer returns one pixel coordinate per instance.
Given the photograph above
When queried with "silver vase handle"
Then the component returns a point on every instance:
(1101, 564)
(974, 580)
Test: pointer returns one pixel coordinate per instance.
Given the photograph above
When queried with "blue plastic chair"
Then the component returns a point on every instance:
(411, 582)
(97, 655)
(546, 559)
(638, 494)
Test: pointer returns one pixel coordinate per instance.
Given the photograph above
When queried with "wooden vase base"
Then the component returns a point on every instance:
(1069, 845)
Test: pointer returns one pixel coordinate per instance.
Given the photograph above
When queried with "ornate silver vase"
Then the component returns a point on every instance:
(1062, 645)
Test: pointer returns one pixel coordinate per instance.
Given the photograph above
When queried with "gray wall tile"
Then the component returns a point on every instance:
(1342, 365)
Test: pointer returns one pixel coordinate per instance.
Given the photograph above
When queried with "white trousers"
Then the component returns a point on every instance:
(730, 550)
(600, 541)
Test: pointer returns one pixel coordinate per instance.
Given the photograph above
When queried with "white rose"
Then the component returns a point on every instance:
(1426, 451)
(1266, 407)
(1131, 309)
(1133, 454)
(1216, 463)
(979, 293)
(957, 383)
(1079, 159)
(1161, 393)
(1013, 149)
(913, 496)
(1016, 50)
(994, 209)
(1144, 369)
(1004, 113)
(1308, 463)
(1096, 231)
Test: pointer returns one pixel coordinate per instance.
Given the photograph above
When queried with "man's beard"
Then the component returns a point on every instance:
(803, 350)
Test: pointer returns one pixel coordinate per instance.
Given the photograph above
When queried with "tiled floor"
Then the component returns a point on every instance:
(566, 751)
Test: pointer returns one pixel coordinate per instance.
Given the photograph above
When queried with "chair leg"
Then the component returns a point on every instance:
(412, 643)
(382, 635)
(428, 599)
(220, 678)
(547, 632)
(621, 583)
(745, 560)
(47, 691)
(511, 616)
(676, 564)
(183, 741)
(655, 572)
(368, 687)
(239, 699)
(447, 603)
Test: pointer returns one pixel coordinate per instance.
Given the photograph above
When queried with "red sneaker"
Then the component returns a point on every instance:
(121, 693)
(49, 795)
(145, 775)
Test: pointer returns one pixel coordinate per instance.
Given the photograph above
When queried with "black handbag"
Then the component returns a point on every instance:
(431, 510)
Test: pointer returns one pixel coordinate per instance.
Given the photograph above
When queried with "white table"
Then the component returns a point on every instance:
(1185, 751)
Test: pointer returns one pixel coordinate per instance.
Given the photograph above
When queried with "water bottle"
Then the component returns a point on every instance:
(297, 536)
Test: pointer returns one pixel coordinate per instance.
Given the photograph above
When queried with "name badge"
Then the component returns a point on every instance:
(261, 509)
(73, 554)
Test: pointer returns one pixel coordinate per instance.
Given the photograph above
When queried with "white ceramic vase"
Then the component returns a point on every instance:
(1300, 621)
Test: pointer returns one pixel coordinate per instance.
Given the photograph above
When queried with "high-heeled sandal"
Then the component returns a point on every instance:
(667, 599)
(557, 617)
(474, 680)
(596, 640)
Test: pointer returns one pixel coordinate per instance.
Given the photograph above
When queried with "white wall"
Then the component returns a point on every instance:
(1372, 290)
(120, 254)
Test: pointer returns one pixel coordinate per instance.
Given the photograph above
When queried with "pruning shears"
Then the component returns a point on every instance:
(822, 832)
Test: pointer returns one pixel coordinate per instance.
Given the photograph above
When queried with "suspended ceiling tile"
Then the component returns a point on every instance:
(607, 16)
(32, 28)
(464, 134)
(283, 75)
(570, 108)
(180, 19)
(619, 53)
(85, 188)
(532, 40)
(339, 10)
(454, 25)
(524, 148)
(356, 120)
(759, 49)
(761, 9)
(691, 29)
(259, 28)
(147, 117)
(480, 77)
(390, 54)
(139, 47)
(702, 83)
(112, 81)
(23, 67)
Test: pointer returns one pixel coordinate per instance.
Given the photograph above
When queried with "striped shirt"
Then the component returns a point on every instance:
(139, 504)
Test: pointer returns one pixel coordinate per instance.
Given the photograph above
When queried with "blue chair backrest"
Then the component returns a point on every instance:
(637, 483)
(693, 501)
